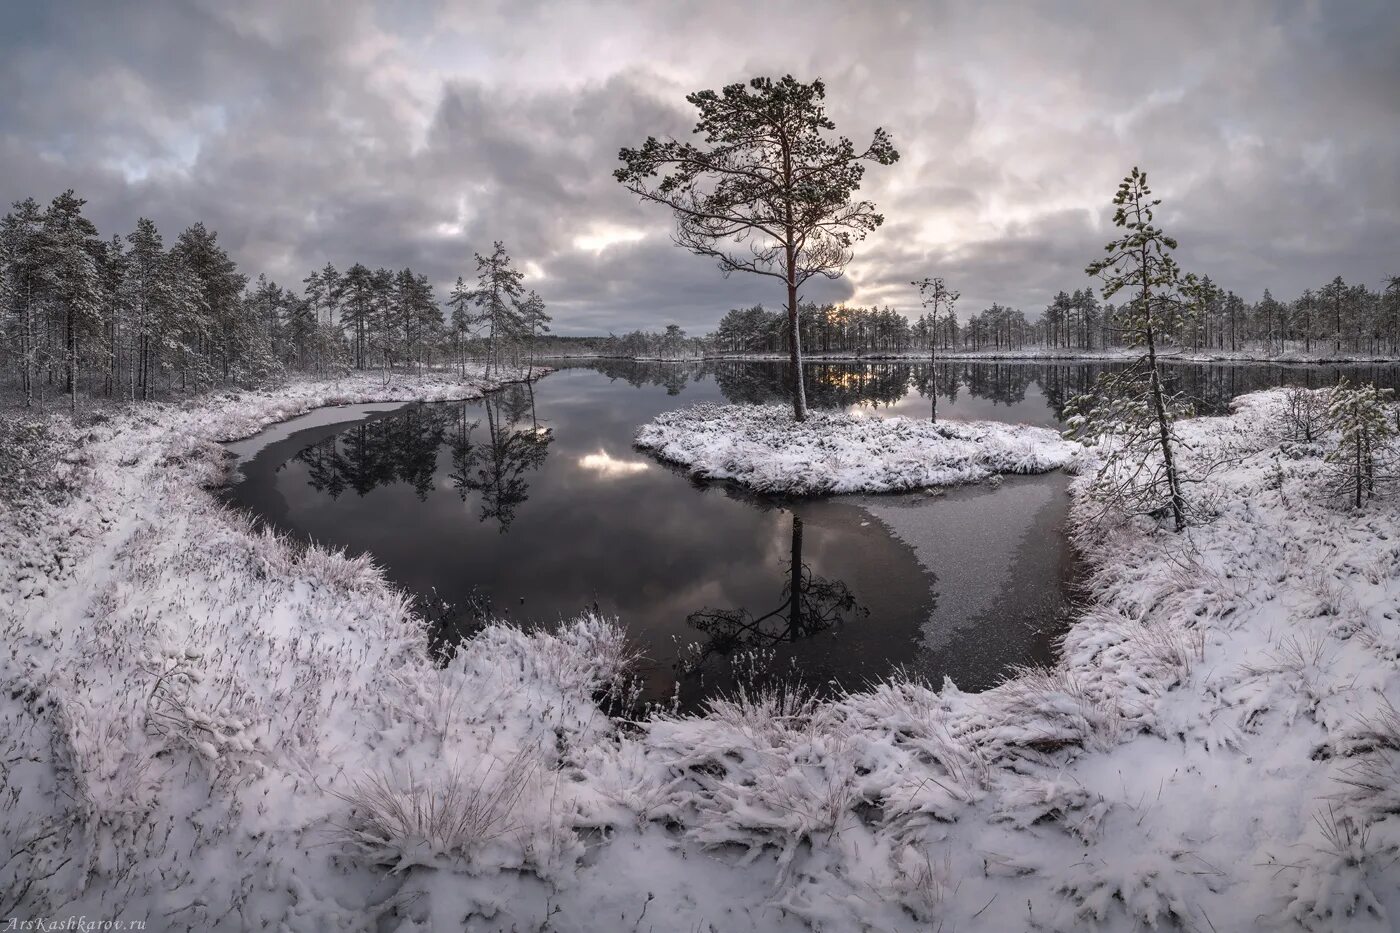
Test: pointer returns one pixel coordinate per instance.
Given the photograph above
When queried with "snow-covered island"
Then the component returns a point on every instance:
(763, 448)
(208, 727)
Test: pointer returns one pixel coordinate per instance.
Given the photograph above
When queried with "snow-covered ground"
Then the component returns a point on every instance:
(208, 728)
(763, 448)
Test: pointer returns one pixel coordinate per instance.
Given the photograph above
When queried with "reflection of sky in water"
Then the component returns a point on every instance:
(556, 512)
(608, 466)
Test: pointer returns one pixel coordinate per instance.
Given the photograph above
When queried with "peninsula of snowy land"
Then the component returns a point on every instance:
(763, 448)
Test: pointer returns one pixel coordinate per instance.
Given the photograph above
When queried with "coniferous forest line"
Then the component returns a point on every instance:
(130, 317)
(1337, 318)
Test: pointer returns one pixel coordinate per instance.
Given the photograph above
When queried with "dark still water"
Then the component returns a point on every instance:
(532, 505)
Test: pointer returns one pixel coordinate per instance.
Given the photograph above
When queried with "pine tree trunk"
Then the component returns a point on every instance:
(491, 347)
(72, 369)
(933, 381)
(799, 392)
(1178, 504)
(1358, 470)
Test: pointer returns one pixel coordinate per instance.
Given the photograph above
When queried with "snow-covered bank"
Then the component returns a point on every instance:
(203, 726)
(207, 728)
(1218, 748)
(761, 447)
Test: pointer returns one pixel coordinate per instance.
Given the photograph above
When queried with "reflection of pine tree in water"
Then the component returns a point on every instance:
(637, 373)
(325, 467)
(829, 385)
(809, 605)
(842, 384)
(398, 448)
(934, 382)
(495, 466)
(403, 447)
(1003, 383)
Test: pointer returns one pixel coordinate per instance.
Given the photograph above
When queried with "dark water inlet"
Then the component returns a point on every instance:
(532, 505)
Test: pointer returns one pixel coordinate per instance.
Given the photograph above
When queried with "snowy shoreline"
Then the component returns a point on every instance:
(762, 448)
(209, 728)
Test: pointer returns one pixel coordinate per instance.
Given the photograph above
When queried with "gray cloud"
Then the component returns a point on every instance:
(416, 134)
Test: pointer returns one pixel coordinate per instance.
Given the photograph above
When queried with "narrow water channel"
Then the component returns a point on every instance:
(533, 506)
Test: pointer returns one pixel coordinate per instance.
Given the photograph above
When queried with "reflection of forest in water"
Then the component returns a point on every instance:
(844, 384)
(541, 537)
(491, 453)
(808, 604)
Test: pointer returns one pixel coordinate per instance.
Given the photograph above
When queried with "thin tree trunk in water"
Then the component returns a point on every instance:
(933, 381)
(795, 588)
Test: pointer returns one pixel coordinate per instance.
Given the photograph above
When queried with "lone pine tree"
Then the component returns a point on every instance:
(767, 191)
(1131, 409)
(938, 301)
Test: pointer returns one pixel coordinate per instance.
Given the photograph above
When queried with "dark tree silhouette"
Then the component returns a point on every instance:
(768, 192)
(496, 466)
(809, 605)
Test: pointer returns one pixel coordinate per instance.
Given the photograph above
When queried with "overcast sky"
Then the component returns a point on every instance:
(415, 133)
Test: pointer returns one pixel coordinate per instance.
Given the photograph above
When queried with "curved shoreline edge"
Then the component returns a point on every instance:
(1215, 710)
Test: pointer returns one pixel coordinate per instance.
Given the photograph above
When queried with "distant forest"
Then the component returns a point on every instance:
(129, 317)
(1336, 317)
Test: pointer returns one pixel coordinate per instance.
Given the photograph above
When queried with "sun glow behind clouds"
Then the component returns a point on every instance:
(606, 465)
(600, 236)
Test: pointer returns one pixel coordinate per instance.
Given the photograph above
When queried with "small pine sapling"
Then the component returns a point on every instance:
(1361, 454)
(1129, 414)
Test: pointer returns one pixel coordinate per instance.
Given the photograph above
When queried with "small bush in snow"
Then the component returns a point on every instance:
(1304, 414)
(403, 819)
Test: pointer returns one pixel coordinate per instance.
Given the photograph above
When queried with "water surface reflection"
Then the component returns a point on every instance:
(532, 505)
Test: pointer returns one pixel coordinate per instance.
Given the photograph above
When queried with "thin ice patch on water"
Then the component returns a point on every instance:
(247, 448)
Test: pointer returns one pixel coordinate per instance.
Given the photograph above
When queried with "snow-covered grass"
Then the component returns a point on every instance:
(763, 448)
(206, 727)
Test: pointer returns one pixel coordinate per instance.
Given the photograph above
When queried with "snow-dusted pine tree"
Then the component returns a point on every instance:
(535, 321)
(21, 271)
(770, 191)
(462, 325)
(499, 294)
(69, 247)
(1360, 415)
(1129, 413)
(939, 300)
